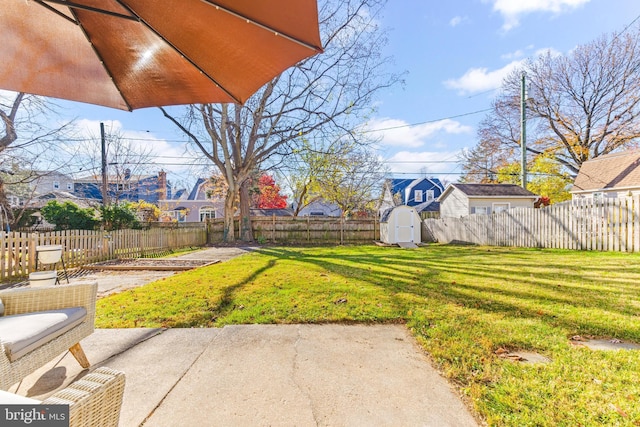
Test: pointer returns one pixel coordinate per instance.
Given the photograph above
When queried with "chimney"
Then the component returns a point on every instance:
(162, 185)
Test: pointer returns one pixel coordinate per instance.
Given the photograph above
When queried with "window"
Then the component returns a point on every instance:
(417, 195)
(70, 186)
(207, 213)
(56, 185)
(430, 195)
(181, 215)
(500, 207)
(481, 210)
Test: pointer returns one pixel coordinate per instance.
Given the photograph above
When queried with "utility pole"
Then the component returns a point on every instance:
(523, 130)
(105, 181)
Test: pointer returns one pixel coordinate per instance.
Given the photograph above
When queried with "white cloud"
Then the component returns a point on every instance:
(457, 20)
(481, 79)
(512, 10)
(398, 133)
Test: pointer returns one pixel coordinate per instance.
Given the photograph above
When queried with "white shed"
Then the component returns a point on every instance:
(400, 224)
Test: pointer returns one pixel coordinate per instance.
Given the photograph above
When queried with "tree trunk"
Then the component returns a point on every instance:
(246, 230)
(6, 214)
(229, 235)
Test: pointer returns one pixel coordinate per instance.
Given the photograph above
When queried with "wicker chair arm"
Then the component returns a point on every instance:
(95, 400)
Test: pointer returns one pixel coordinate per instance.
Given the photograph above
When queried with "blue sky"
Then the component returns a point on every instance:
(455, 55)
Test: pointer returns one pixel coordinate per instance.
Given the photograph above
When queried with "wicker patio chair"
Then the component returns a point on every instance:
(94, 401)
(36, 300)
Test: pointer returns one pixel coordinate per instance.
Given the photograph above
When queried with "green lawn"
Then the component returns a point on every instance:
(461, 303)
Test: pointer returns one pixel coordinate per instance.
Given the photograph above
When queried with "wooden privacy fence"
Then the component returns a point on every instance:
(600, 225)
(82, 247)
(304, 230)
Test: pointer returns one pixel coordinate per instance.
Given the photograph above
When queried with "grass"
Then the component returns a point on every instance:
(461, 303)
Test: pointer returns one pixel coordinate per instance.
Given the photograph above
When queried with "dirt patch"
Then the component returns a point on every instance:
(603, 344)
(521, 356)
(152, 264)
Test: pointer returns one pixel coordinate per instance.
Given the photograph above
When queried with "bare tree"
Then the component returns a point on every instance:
(580, 106)
(27, 140)
(355, 183)
(322, 97)
(127, 161)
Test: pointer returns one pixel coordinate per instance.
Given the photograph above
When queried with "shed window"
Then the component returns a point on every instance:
(417, 195)
(500, 207)
(481, 210)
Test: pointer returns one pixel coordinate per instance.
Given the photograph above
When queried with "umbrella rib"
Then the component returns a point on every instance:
(263, 26)
(104, 65)
(90, 9)
(56, 11)
(185, 56)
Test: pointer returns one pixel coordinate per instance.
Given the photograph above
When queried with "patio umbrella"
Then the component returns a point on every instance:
(132, 54)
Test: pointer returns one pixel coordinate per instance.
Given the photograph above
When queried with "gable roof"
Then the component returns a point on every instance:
(616, 170)
(489, 190)
(405, 185)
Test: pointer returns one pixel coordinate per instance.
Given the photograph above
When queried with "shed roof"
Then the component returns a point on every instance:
(616, 170)
(387, 213)
(493, 190)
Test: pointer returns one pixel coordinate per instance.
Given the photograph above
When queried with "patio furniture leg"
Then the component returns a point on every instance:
(64, 268)
(78, 353)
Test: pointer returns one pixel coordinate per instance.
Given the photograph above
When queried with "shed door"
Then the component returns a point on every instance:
(404, 225)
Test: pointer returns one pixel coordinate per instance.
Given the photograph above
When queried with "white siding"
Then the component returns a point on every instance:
(455, 204)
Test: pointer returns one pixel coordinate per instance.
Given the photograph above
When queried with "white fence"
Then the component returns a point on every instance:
(601, 225)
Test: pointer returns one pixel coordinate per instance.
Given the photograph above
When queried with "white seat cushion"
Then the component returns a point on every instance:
(22, 333)
(7, 398)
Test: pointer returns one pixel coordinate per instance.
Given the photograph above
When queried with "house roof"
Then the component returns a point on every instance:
(400, 185)
(490, 190)
(430, 206)
(616, 170)
(271, 212)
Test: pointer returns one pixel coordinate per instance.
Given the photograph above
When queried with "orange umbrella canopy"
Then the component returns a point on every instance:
(132, 54)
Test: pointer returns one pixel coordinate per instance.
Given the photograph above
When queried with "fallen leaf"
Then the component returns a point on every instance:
(615, 341)
(577, 338)
(618, 410)
(340, 301)
(501, 351)
(515, 357)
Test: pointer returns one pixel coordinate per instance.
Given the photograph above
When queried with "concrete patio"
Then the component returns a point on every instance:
(259, 375)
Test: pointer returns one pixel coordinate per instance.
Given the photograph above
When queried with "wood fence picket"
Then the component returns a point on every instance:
(600, 225)
(82, 247)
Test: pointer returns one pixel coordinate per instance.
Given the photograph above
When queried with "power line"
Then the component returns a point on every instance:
(429, 121)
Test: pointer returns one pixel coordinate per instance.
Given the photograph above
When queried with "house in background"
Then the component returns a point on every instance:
(464, 199)
(128, 187)
(421, 193)
(52, 181)
(195, 206)
(53, 184)
(615, 175)
(321, 208)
